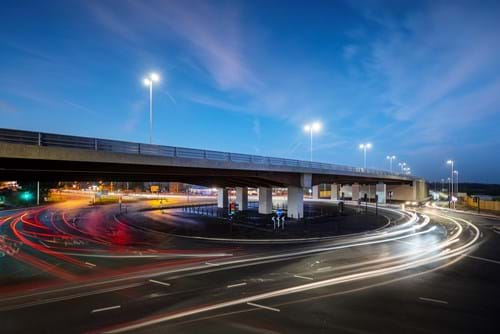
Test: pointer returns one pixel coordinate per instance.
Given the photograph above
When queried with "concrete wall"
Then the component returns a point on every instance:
(347, 190)
(369, 190)
(416, 192)
(422, 189)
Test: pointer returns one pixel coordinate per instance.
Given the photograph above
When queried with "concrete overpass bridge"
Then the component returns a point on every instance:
(26, 155)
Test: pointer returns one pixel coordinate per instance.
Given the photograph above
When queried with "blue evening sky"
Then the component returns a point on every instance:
(418, 79)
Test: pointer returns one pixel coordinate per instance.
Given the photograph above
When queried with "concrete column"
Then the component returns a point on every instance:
(222, 198)
(355, 191)
(414, 190)
(315, 192)
(242, 198)
(295, 202)
(335, 192)
(306, 180)
(265, 200)
(381, 192)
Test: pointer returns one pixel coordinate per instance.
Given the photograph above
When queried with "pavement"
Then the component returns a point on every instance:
(74, 269)
(207, 221)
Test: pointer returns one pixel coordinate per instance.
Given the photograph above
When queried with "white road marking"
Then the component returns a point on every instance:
(483, 259)
(106, 309)
(433, 300)
(264, 307)
(406, 242)
(324, 268)
(44, 244)
(159, 282)
(90, 264)
(211, 264)
(304, 277)
(235, 285)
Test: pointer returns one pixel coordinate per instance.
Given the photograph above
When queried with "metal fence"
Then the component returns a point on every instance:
(95, 144)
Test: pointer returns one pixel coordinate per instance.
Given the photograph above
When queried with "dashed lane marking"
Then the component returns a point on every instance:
(264, 307)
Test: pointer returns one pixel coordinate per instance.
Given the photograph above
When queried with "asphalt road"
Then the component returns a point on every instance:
(431, 272)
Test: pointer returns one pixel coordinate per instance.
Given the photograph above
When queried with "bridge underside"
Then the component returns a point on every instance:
(68, 163)
(58, 170)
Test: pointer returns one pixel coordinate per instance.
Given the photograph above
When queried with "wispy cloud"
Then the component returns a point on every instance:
(135, 115)
(256, 128)
(212, 33)
(7, 108)
(437, 70)
(216, 103)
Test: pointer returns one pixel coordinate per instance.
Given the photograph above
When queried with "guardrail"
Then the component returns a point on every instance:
(106, 145)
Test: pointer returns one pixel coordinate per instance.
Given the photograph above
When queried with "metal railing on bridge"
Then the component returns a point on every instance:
(106, 145)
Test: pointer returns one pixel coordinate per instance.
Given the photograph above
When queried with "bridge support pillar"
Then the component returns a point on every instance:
(315, 192)
(355, 191)
(222, 198)
(295, 202)
(335, 192)
(242, 198)
(265, 200)
(381, 192)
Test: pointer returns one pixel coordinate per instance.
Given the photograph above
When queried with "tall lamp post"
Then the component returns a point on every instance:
(314, 127)
(148, 81)
(456, 189)
(365, 147)
(390, 158)
(449, 188)
(452, 163)
(402, 165)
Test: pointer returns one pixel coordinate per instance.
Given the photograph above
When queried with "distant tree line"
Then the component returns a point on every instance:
(480, 189)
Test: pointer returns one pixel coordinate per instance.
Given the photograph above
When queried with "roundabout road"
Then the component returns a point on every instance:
(77, 269)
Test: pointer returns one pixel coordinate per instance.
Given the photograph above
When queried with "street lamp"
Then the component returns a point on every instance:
(402, 165)
(449, 187)
(456, 172)
(365, 147)
(390, 158)
(314, 127)
(451, 162)
(148, 81)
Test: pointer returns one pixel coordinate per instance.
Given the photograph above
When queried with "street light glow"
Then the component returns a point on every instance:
(365, 145)
(154, 77)
(314, 127)
(148, 81)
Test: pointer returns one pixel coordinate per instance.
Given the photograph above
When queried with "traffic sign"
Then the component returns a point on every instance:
(279, 212)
